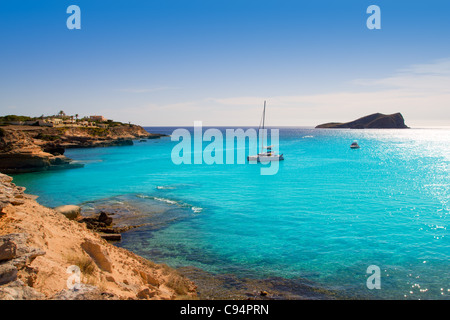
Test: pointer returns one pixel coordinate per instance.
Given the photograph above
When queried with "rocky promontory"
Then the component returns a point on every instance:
(45, 255)
(35, 148)
(373, 121)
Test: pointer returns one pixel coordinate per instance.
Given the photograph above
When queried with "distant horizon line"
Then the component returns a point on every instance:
(286, 126)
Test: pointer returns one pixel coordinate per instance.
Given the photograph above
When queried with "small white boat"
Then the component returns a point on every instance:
(354, 145)
(269, 155)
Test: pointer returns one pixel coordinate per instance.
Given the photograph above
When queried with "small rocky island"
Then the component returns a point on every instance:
(37, 144)
(373, 121)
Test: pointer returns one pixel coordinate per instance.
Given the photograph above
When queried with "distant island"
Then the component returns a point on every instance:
(373, 121)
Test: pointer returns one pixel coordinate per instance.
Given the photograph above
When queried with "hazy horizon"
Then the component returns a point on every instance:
(172, 63)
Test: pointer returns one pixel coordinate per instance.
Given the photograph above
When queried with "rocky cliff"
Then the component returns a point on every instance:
(29, 148)
(83, 137)
(43, 255)
(373, 121)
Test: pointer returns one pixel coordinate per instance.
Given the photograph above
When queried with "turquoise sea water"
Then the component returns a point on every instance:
(327, 215)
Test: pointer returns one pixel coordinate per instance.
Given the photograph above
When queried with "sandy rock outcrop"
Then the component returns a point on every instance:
(71, 211)
(41, 246)
(98, 254)
(10, 194)
(19, 153)
(17, 290)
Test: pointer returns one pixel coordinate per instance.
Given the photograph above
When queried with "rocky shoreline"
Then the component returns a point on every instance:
(126, 212)
(231, 287)
(39, 244)
(101, 226)
(30, 148)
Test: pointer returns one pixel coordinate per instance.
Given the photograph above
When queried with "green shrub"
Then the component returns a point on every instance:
(98, 131)
(13, 117)
(47, 137)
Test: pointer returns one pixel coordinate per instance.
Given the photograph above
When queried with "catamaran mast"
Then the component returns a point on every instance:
(264, 118)
(264, 113)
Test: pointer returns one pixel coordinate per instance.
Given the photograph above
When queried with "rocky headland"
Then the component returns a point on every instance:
(41, 247)
(34, 148)
(373, 121)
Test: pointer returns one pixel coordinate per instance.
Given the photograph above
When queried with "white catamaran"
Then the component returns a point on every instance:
(269, 155)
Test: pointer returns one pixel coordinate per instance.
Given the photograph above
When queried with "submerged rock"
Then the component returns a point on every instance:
(104, 218)
(111, 236)
(102, 225)
(211, 286)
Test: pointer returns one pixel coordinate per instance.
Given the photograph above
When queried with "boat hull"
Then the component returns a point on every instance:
(266, 158)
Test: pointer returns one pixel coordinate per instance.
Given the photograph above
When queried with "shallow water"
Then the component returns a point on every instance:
(328, 214)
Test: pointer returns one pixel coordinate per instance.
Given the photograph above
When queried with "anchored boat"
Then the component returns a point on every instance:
(268, 155)
(354, 145)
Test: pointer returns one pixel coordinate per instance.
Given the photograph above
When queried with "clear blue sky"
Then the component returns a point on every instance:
(171, 62)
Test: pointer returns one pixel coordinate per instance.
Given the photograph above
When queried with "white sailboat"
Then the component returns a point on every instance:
(268, 155)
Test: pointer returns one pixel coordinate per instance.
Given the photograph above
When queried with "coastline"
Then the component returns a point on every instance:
(39, 244)
(231, 287)
(26, 149)
(110, 272)
(167, 189)
(127, 213)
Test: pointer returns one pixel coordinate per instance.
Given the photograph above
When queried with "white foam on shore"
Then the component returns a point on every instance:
(165, 188)
(172, 202)
(196, 209)
(166, 200)
(143, 196)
